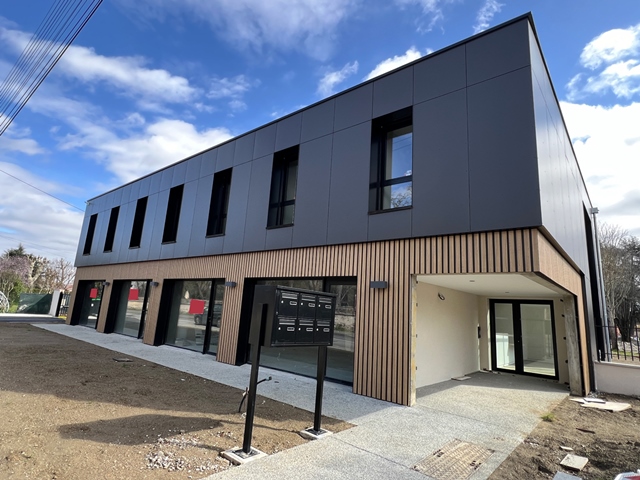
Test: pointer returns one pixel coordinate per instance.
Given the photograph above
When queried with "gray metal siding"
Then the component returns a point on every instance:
(187, 212)
(288, 132)
(237, 213)
(318, 121)
(439, 75)
(226, 154)
(265, 142)
(244, 149)
(209, 160)
(354, 107)
(200, 216)
(255, 233)
(389, 225)
(393, 92)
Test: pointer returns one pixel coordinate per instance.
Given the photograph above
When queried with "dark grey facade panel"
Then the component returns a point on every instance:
(505, 50)
(237, 213)
(226, 153)
(156, 213)
(318, 121)
(439, 75)
(349, 191)
(187, 214)
(393, 92)
(145, 184)
(288, 132)
(154, 186)
(166, 181)
(503, 171)
(279, 238)
(265, 142)
(312, 198)
(116, 198)
(244, 149)
(194, 165)
(354, 107)
(134, 192)
(200, 216)
(179, 173)
(209, 160)
(167, 250)
(214, 245)
(441, 166)
(390, 225)
(255, 232)
(123, 232)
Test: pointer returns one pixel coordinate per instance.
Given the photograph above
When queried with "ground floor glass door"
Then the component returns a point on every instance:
(132, 307)
(91, 299)
(523, 337)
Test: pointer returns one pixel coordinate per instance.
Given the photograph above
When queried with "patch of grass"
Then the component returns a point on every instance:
(548, 417)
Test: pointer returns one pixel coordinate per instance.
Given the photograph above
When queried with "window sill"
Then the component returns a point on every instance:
(133, 248)
(169, 243)
(215, 235)
(273, 227)
(387, 210)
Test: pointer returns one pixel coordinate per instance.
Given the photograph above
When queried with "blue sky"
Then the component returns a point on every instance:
(149, 82)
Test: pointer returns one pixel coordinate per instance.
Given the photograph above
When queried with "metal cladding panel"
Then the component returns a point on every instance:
(503, 51)
(194, 165)
(439, 75)
(318, 121)
(123, 232)
(265, 142)
(255, 227)
(145, 183)
(393, 92)
(185, 225)
(503, 169)
(353, 107)
(225, 156)
(288, 132)
(167, 178)
(179, 174)
(133, 192)
(312, 198)
(116, 197)
(244, 149)
(214, 245)
(441, 166)
(154, 185)
(278, 238)
(237, 212)
(209, 160)
(390, 225)
(157, 212)
(200, 216)
(349, 191)
(167, 250)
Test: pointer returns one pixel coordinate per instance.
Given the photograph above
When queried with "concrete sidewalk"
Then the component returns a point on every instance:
(29, 318)
(492, 411)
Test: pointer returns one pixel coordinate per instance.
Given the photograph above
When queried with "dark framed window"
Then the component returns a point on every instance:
(111, 230)
(391, 181)
(219, 203)
(172, 219)
(138, 222)
(90, 232)
(283, 187)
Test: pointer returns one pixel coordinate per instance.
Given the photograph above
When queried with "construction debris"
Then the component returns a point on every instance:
(574, 462)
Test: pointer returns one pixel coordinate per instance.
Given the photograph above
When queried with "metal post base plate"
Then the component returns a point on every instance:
(236, 455)
(311, 434)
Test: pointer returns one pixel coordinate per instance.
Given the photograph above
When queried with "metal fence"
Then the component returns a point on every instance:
(623, 346)
(63, 306)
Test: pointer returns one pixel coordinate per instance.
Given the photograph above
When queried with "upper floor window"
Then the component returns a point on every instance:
(111, 230)
(391, 161)
(172, 219)
(90, 232)
(138, 222)
(219, 203)
(283, 187)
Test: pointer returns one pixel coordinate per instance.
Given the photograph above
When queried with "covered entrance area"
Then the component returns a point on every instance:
(505, 322)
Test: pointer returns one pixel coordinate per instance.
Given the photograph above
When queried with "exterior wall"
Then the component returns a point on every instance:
(474, 152)
(617, 378)
(447, 335)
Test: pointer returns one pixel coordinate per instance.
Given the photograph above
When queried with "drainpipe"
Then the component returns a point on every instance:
(603, 299)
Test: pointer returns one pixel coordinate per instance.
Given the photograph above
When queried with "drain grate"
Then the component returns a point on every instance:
(456, 460)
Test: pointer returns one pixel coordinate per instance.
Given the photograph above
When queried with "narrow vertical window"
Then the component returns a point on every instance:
(138, 222)
(283, 187)
(219, 203)
(391, 161)
(172, 219)
(111, 230)
(90, 231)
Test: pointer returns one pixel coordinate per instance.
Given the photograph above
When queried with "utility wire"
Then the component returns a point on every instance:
(42, 191)
(60, 27)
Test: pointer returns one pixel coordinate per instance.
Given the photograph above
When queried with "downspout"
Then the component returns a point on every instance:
(603, 299)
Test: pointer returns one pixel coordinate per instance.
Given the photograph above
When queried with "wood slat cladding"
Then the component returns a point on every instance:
(383, 330)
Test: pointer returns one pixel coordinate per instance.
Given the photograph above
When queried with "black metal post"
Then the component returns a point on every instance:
(253, 383)
(322, 371)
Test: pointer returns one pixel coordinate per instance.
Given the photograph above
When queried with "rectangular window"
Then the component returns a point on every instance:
(391, 161)
(219, 203)
(283, 187)
(138, 222)
(111, 230)
(90, 231)
(173, 215)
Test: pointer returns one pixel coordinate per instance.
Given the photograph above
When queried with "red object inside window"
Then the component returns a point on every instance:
(133, 294)
(196, 307)
(93, 293)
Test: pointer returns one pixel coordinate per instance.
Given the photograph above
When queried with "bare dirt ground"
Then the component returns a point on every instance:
(69, 411)
(610, 440)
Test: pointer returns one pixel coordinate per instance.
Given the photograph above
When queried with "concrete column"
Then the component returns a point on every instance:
(573, 345)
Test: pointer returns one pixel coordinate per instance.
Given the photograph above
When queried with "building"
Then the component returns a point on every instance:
(442, 202)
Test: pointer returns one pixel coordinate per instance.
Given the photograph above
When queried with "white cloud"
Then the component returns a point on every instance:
(233, 89)
(304, 25)
(605, 140)
(45, 226)
(128, 75)
(612, 59)
(15, 139)
(394, 62)
(486, 14)
(431, 9)
(331, 79)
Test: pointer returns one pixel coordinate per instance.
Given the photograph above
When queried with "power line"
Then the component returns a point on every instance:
(42, 191)
(39, 247)
(54, 35)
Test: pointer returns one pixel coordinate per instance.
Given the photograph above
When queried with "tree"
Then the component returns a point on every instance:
(57, 275)
(14, 275)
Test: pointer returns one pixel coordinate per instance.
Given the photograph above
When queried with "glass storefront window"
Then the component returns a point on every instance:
(91, 299)
(131, 307)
